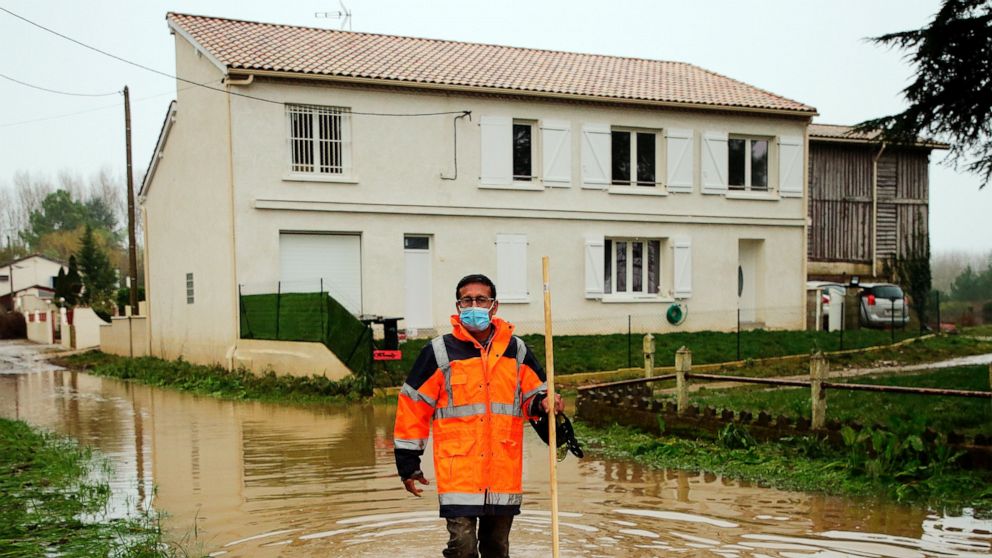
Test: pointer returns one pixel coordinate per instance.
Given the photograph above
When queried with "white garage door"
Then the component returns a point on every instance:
(307, 260)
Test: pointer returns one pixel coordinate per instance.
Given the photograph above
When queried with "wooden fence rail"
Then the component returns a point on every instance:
(818, 385)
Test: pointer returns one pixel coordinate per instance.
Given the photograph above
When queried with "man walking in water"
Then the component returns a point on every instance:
(478, 384)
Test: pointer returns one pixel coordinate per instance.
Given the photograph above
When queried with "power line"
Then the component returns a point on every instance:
(203, 85)
(26, 84)
(105, 107)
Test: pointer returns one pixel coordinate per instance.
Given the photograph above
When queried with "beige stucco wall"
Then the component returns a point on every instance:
(467, 244)
(188, 225)
(286, 357)
(86, 325)
(398, 190)
(125, 336)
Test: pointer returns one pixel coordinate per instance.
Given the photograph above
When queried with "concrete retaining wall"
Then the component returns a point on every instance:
(125, 336)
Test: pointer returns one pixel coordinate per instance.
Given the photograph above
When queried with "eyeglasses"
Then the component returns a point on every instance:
(480, 301)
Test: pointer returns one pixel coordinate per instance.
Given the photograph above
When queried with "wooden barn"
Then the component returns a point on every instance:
(868, 203)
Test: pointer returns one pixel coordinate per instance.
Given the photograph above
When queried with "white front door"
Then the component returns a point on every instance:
(747, 276)
(310, 263)
(417, 256)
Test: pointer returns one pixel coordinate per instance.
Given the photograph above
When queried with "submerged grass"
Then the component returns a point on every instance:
(804, 464)
(942, 413)
(50, 505)
(215, 381)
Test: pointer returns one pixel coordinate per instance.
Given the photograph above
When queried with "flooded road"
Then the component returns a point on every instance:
(259, 480)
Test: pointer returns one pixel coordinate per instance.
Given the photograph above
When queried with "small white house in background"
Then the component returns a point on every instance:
(34, 275)
(384, 168)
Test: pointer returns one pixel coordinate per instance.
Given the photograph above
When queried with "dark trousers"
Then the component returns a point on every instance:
(492, 541)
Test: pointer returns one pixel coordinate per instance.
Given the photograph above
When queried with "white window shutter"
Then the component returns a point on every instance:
(679, 155)
(682, 267)
(556, 144)
(790, 166)
(511, 267)
(594, 267)
(714, 154)
(596, 153)
(497, 150)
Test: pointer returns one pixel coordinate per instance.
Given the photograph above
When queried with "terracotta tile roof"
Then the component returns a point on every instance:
(838, 132)
(250, 45)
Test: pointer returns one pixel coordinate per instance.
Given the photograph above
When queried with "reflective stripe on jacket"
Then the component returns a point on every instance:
(478, 400)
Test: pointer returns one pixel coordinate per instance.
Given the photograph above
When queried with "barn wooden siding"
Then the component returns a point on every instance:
(840, 202)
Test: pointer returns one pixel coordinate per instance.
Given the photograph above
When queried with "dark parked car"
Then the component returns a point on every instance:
(883, 305)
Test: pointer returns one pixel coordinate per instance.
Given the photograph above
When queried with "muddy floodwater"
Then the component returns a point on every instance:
(260, 480)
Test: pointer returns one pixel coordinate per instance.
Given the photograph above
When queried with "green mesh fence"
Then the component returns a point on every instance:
(314, 317)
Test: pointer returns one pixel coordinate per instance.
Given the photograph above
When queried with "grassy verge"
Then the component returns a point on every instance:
(982, 330)
(804, 464)
(927, 349)
(214, 380)
(944, 414)
(50, 505)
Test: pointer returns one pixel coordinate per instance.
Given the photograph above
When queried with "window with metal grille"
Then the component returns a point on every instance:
(319, 139)
(189, 288)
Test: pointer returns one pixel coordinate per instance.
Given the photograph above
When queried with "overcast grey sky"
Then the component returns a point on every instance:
(810, 51)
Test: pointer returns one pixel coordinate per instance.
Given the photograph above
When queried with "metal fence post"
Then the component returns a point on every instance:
(892, 318)
(683, 363)
(738, 334)
(323, 303)
(843, 319)
(938, 311)
(817, 375)
(244, 313)
(278, 300)
(630, 362)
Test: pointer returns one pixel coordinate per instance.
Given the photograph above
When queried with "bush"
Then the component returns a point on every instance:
(12, 325)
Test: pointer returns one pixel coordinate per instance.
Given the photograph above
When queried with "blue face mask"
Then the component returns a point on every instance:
(474, 318)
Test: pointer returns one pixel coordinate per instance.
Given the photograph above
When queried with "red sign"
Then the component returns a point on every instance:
(387, 355)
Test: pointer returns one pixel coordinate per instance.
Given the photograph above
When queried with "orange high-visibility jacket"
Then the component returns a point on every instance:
(478, 399)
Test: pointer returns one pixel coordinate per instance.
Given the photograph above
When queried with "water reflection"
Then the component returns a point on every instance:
(251, 479)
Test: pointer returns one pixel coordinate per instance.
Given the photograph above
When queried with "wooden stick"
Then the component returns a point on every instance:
(549, 359)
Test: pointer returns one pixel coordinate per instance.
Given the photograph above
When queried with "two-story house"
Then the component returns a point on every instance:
(385, 168)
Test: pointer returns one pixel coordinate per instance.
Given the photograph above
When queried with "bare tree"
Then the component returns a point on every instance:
(29, 193)
(72, 182)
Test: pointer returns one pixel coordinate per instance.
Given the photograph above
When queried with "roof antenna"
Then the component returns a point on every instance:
(344, 15)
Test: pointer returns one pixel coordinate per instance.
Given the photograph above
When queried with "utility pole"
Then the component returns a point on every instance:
(132, 254)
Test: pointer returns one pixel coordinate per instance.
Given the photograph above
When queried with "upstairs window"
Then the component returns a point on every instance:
(747, 163)
(631, 266)
(189, 288)
(319, 140)
(633, 157)
(523, 151)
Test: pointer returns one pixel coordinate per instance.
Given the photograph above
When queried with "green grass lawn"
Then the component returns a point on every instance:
(594, 353)
(944, 414)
